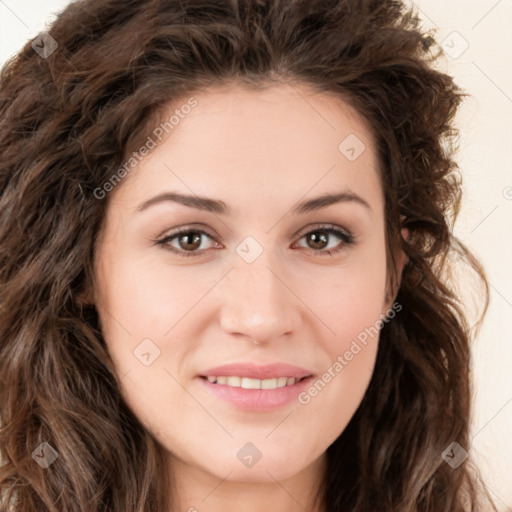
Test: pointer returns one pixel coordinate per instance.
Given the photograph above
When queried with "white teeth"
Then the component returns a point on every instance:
(282, 381)
(247, 383)
(250, 383)
(234, 381)
(269, 384)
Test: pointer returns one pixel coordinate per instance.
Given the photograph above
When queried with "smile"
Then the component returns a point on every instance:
(256, 395)
(247, 383)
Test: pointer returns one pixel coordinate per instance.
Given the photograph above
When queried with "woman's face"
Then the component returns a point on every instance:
(252, 283)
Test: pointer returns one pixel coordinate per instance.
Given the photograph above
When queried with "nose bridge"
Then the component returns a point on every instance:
(256, 301)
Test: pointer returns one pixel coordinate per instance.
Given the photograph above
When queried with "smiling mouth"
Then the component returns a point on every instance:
(249, 383)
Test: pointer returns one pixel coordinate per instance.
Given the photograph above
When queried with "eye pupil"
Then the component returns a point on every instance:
(318, 237)
(196, 237)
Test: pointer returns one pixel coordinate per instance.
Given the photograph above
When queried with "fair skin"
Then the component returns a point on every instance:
(260, 153)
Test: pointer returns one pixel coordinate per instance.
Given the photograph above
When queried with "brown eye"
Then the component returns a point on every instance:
(186, 242)
(190, 241)
(319, 239)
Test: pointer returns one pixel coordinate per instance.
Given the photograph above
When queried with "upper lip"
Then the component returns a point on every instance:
(253, 371)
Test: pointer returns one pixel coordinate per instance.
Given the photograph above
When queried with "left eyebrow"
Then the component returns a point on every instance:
(329, 199)
(221, 208)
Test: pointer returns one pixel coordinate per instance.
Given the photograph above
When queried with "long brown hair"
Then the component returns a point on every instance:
(69, 120)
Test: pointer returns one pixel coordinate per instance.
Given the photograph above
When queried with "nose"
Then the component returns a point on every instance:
(258, 302)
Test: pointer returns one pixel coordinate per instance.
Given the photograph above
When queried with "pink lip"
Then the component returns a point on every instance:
(253, 371)
(257, 399)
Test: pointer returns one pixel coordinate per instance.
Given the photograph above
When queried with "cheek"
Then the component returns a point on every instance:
(149, 315)
(333, 397)
(349, 300)
(352, 307)
(148, 298)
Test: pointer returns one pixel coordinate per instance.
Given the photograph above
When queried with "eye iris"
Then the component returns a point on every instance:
(318, 237)
(188, 245)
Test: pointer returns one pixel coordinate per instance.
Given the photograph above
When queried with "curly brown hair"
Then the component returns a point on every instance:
(68, 120)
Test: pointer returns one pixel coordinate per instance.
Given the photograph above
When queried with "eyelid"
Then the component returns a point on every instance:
(185, 229)
(323, 226)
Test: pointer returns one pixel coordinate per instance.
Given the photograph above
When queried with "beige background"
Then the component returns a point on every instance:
(477, 40)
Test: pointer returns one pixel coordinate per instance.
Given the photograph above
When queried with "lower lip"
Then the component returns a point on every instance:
(257, 399)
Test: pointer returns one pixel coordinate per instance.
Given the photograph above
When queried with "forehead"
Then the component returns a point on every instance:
(281, 141)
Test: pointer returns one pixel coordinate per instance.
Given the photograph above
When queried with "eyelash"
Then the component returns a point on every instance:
(346, 237)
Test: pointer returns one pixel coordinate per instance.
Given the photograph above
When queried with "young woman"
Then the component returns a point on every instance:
(224, 280)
